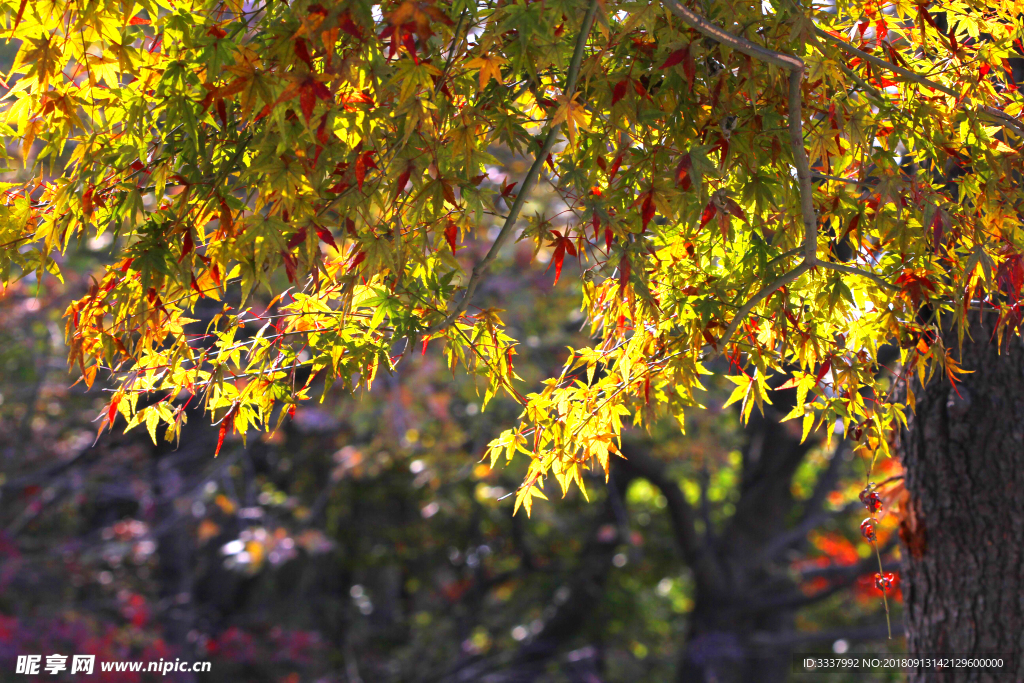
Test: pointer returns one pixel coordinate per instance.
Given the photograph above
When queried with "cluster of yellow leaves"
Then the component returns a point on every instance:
(336, 156)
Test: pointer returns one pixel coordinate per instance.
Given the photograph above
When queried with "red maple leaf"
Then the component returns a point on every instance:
(451, 234)
(562, 245)
(683, 179)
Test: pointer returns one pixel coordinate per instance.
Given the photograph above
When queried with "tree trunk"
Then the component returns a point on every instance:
(963, 534)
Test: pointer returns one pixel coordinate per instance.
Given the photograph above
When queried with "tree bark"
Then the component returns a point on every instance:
(963, 532)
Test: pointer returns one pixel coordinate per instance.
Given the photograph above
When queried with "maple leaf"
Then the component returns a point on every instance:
(619, 91)
(647, 211)
(451, 235)
(419, 13)
(562, 244)
(683, 179)
(625, 269)
(526, 494)
(42, 56)
(675, 57)
(573, 114)
(915, 284)
(1010, 275)
(325, 236)
(489, 67)
(363, 162)
(685, 57)
(953, 369)
(403, 179)
(727, 205)
(616, 165)
(709, 212)
(187, 246)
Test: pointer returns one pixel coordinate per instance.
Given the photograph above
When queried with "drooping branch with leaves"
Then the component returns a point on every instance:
(788, 186)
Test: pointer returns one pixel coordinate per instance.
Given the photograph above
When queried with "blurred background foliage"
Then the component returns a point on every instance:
(366, 541)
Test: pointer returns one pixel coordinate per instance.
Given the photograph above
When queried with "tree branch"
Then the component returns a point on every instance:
(531, 177)
(795, 66)
(719, 34)
(765, 292)
(800, 531)
(878, 280)
(695, 552)
(1004, 119)
(846, 576)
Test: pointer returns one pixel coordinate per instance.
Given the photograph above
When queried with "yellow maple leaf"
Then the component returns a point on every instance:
(573, 114)
(490, 67)
(527, 492)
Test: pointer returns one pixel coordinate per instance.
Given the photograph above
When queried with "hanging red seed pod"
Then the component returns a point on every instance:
(872, 501)
(866, 492)
(867, 528)
(884, 582)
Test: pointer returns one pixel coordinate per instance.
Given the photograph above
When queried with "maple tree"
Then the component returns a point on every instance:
(791, 187)
(360, 490)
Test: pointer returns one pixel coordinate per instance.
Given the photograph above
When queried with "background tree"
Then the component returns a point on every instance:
(364, 540)
(233, 146)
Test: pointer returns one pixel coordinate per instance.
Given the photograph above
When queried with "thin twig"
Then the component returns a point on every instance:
(765, 292)
(1003, 118)
(795, 66)
(857, 271)
(786, 255)
(838, 179)
(524, 190)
